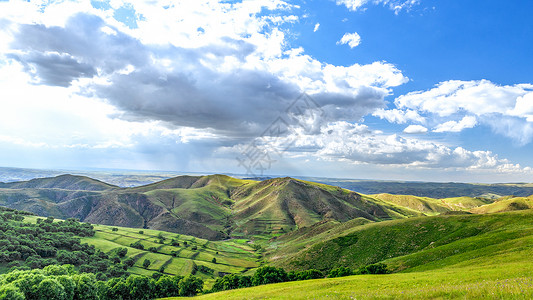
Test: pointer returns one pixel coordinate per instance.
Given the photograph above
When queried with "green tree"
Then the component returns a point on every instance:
(168, 286)
(267, 274)
(85, 287)
(11, 292)
(50, 288)
(141, 287)
(340, 272)
(146, 263)
(379, 268)
(191, 285)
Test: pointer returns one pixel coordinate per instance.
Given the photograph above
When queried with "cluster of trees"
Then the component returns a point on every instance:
(63, 282)
(379, 268)
(263, 275)
(267, 274)
(26, 246)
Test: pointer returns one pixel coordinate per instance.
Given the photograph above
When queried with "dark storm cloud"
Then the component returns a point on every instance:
(54, 68)
(188, 91)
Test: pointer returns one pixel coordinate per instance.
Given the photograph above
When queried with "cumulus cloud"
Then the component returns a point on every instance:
(395, 5)
(399, 116)
(414, 129)
(507, 109)
(357, 143)
(189, 80)
(457, 126)
(352, 39)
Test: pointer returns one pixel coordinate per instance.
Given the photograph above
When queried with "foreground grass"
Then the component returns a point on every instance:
(505, 281)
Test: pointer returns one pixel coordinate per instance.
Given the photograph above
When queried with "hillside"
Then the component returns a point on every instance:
(411, 244)
(65, 182)
(431, 206)
(505, 204)
(436, 190)
(212, 207)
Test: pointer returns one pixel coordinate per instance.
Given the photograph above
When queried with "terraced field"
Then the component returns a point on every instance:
(232, 256)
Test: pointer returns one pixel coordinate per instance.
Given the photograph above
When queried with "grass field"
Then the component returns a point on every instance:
(504, 281)
(495, 264)
(232, 256)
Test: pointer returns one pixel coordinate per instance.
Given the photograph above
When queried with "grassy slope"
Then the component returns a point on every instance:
(234, 256)
(507, 280)
(411, 243)
(469, 256)
(505, 204)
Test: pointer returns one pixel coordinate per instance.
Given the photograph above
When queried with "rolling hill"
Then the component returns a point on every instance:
(212, 207)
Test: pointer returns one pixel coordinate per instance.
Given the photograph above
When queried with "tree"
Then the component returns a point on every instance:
(340, 272)
(10, 292)
(267, 274)
(85, 287)
(137, 245)
(379, 268)
(214, 260)
(141, 287)
(146, 263)
(191, 285)
(168, 286)
(50, 288)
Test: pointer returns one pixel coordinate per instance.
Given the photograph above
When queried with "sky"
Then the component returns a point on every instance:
(367, 89)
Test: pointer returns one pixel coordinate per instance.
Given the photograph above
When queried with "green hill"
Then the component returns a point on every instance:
(415, 243)
(505, 204)
(212, 207)
(65, 182)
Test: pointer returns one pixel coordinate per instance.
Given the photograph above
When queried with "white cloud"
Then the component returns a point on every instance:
(399, 116)
(395, 5)
(214, 49)
(507, 109)
(457, 126)
(317, 25)
(352, 39)
(523, 107)
(352, 4)
(414, 129)
(358, 144)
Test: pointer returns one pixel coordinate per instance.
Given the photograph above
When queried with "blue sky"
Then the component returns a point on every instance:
(395, 89)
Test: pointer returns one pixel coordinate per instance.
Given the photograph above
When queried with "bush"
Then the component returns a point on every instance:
(305, 275)
(146, 263)
(379, 268)
(265, 275)
(190, 286)
(137, 245)
(340, 272)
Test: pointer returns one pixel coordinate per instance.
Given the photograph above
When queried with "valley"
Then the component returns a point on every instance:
(215, 225)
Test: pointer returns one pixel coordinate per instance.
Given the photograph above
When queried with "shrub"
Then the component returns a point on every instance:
(340, 272)
(265, 275)
(137, 245)
(379, 268)
(190, 286)
(146, 263)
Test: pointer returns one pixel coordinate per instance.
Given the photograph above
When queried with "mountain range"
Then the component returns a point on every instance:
(217, 207)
